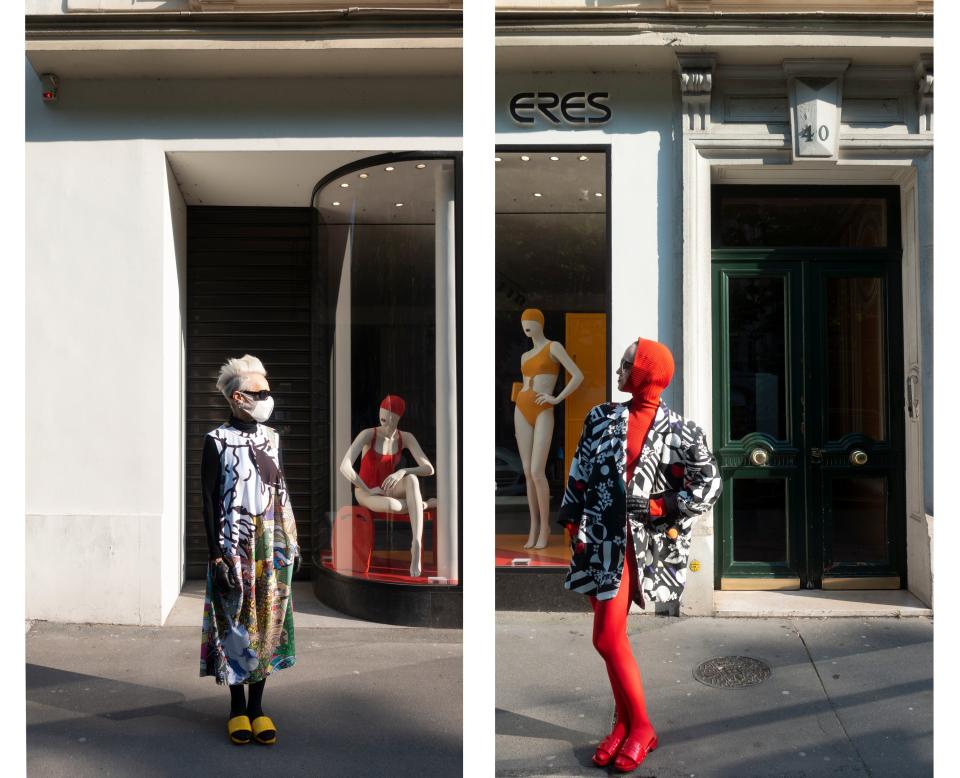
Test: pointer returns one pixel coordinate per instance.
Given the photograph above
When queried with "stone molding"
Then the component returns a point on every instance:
(924, 73)
(696, 87)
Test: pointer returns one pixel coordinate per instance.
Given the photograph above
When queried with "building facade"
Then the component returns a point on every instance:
(751, 184)
(207, 179)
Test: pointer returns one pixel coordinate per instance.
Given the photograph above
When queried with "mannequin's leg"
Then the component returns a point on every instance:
(524, 433)
(381, 503)
(414, 501)
(610, 640)
(542, 437)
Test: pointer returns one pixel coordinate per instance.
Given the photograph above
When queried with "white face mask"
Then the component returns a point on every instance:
(261, 409)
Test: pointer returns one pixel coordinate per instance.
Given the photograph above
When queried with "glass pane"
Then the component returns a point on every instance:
(856, 389)
(551, 255)
(383, 240)
(758, 356)
(771, 222)
(759, 519)
(859, 511)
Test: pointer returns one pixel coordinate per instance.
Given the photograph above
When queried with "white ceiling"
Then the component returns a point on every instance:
(255, 178)
(565, 182)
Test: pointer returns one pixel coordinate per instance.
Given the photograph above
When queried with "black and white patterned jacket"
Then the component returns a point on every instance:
(675, 464)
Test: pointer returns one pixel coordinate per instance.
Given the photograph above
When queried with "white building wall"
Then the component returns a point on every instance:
(105, 278)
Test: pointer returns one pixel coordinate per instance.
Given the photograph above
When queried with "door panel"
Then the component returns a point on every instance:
(807, 362)
(856, 371)
(586, 343)
(756, 367)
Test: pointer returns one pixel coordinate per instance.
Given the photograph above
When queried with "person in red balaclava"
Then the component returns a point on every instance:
(617, 503)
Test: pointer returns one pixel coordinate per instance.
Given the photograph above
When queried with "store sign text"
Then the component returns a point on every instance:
(570, 108)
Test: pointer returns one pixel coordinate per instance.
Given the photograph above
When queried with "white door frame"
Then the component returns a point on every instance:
(711, 157)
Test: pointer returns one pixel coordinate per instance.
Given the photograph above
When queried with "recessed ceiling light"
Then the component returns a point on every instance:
(399, 205)
(537, 194)
(554, 159)
(421, 166)
(389, 168)
(364, 175)
(336, 202)
(344, 185)
(525, 158)
(583, 157)
(498, 159)
(598, 194)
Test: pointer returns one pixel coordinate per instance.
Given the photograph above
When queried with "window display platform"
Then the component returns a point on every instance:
(511, 553)
(400, 600)
(391, 566)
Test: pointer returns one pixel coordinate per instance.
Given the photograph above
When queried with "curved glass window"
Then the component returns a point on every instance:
(386, 279)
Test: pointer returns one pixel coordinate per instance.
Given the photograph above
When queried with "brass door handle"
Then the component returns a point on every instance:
(759, 457)
(858, 457)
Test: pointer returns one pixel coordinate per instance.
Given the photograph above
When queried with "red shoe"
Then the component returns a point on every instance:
(632, 754)
(608, 749)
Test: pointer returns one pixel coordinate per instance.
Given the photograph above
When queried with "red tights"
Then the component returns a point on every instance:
(610, 640)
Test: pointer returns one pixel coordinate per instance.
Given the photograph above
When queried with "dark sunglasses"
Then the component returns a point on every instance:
(625, 366)
(263, 394)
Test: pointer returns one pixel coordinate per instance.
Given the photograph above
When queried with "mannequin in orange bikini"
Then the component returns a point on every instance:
(533, 417)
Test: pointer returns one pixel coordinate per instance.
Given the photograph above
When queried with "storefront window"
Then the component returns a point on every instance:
(552, 293)
(386, 273)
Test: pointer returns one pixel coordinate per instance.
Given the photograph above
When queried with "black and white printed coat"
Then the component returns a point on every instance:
(675, 464)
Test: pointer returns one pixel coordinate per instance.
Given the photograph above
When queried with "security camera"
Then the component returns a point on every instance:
(49, 84)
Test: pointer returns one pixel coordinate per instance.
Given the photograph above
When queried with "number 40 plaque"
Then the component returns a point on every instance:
(815, 88)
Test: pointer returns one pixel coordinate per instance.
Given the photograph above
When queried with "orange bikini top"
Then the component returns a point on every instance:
(541, 363)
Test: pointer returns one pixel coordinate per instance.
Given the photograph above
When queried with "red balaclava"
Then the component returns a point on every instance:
(394, 403)
(651, 373)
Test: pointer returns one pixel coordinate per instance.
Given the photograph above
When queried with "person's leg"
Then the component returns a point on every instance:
(610, 640)
(255, 703)
(238, 704)
(621, 725)
(542, 437)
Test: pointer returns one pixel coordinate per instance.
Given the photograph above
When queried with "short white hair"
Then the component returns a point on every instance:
(234, 373)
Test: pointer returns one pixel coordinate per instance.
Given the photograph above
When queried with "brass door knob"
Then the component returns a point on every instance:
(759, 457)
(858, 457)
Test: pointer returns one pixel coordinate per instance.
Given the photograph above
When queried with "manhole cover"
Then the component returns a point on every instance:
(732, 672)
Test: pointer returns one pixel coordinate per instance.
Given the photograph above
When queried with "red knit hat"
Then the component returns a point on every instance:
(652, 370)
(393, 403)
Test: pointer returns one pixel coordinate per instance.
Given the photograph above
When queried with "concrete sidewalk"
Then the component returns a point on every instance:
(847, 697)
(362, 700)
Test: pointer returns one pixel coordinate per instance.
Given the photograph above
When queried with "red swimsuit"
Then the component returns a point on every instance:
(374, 467)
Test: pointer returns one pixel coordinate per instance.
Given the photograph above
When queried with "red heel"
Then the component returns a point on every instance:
(632, 754)
(608, 749)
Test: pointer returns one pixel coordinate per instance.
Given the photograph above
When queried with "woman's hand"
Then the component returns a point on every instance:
(546, 399)
(393, 479)
(297, 561)
(225, 576)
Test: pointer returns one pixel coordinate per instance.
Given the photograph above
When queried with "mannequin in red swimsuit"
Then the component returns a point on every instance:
(379, 485)
(644, 372)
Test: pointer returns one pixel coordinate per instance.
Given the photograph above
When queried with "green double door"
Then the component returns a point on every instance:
(808, 418)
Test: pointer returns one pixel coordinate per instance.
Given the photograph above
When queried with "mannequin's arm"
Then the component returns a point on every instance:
(576, 374)
(346, 466)
(424, 468)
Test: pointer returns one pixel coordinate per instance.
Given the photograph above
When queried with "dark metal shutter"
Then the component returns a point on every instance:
(249, 285)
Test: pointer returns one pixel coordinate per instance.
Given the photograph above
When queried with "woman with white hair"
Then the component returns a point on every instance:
(252, 538)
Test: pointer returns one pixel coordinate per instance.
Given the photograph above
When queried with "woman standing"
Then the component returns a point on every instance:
(252, 538)
(640, 477)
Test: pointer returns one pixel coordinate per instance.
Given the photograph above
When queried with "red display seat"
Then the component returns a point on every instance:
(353, 535)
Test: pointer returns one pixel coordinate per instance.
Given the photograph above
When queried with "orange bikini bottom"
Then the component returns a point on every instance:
(527, 405)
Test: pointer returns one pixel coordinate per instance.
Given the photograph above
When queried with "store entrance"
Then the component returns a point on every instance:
(808, 376)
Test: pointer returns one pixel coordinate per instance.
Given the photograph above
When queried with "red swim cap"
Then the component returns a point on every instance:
(393, 403)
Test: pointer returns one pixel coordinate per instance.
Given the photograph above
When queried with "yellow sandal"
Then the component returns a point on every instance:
(264, 730)
(239, 730)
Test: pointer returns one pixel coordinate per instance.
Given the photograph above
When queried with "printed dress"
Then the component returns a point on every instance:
(247, 632)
